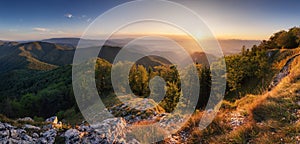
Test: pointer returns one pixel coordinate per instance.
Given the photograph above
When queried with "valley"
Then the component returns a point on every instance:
(261, 102)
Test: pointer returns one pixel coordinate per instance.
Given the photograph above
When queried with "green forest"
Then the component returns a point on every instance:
(43, 93)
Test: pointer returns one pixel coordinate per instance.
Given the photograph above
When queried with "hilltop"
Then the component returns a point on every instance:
(270, 117)
(261, 103)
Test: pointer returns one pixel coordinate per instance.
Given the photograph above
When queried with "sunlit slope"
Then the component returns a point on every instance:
(272, 117)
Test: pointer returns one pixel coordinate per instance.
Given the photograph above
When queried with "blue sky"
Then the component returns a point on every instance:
(228, 19)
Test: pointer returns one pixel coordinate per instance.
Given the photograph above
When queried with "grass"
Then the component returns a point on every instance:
(146, 133)
(270, 117)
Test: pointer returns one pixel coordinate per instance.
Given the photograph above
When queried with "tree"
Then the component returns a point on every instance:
(283, 39)
(205, 87)
(244, 52)
(138, 80)
(287, 40)
(171, 99)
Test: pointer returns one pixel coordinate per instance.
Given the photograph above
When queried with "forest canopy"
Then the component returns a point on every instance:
(283, 39)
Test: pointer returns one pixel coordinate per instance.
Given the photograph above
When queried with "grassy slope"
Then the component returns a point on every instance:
(272, 117)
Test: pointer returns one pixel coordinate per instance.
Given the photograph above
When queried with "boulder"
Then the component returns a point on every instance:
(35, 135)
(48, 136)
(113, 129)
(72, 136)
(4, 134)
(28, 119)
(28, 126)
(2, 126)
(53, 120)
(84, 128)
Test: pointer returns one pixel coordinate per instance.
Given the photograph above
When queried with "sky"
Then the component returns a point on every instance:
(227, 19)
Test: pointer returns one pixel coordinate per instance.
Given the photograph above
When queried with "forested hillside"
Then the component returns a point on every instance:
(262, 91)
(29, 92)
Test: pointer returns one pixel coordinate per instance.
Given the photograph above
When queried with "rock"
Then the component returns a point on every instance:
(54, 123)
(28, 119)
(47, 127)
(48, 136)
(285, 71)
(49, 133)
(8, 126)
(26, 137)
(72, 136)
(84, 128)
(113, 130)
(53, 120)
(236, 120)
(13, 141)
(4, 134)
(59, 125)
(35, 135)
(14, 134)
(42, 141)
(2, 126)
(27, 126)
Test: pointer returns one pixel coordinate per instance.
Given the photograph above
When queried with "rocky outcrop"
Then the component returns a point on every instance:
(236, 119)
(10, 134)
(28, 126)
(28, 134)
(137, 109)
(48, 137)
(283, 73)
(53, 120)
(26, 119)
(109, 131)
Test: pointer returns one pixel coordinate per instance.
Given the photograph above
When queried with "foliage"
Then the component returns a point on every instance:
(36, 93)
(283, 39)
(251, 65)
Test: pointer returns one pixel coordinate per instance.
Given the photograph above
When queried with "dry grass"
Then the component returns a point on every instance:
(146, 133)
(270, 117)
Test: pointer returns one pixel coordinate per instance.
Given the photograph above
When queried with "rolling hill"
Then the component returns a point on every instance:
(41, 55)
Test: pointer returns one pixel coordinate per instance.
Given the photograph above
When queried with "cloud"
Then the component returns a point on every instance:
(68, 15)
(40, 29)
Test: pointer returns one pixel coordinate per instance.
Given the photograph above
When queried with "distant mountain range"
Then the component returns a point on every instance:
(229, 46)
(51, 53)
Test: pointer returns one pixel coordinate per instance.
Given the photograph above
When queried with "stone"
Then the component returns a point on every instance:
(84, 128)
(2, 126)
(49, 133)
(48, 136)
(8, 126)
(4, 134)
(35, 135)
(42, 141)
(13, 141)
(26, 137)
(27, 126)
(47, 127)
(111, 129)
(14, 134)
(28, 119)
(53, 120)
(72, 136)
